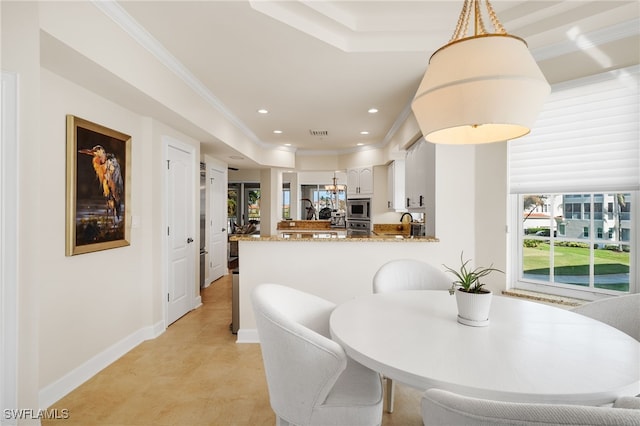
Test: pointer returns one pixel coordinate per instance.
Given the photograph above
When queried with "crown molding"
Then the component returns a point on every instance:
(116, 13)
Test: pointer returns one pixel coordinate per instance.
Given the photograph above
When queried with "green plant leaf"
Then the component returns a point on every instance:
(469, 279)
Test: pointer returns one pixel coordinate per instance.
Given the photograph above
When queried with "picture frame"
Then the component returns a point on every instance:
(98, 187)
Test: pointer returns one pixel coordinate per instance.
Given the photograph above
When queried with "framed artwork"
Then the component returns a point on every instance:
(98, 187)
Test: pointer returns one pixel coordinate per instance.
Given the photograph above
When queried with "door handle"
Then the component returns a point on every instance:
(222, 230)
(189, 240)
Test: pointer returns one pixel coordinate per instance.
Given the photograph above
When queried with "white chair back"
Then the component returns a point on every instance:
(409, 274)
(441, 407)
(310, 379)
(621, 312)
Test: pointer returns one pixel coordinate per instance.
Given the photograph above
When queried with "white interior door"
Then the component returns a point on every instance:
(217, 223)
(180, 232)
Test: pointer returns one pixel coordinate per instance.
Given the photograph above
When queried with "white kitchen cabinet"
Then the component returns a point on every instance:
(396, 185)
(360, 182)
(420, 177)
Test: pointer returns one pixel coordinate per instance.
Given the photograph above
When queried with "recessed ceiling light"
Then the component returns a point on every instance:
(359, 144)
(372, 110)
(364, 132)
(263, 111)
(287, 144)
(277, 132)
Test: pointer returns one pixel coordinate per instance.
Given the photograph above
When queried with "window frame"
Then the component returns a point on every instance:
(516, 280)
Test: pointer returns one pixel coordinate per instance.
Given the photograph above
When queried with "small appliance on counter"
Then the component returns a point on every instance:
(338, 219)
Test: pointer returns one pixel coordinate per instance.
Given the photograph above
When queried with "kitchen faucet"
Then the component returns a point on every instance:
(403, 215)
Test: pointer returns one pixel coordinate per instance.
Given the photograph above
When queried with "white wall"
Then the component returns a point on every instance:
(94, 307)
(491, 213)
(20, 23)
(334, 270)
(244, 175)
(106, 289)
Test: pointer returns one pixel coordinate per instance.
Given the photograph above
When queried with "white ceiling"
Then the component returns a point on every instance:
(320, 65)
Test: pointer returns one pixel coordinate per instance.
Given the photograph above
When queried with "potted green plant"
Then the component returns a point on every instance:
(474, 301)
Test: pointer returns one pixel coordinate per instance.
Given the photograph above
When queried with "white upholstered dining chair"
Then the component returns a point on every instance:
(621, 312)
(310, 378)
(407, 274)
(441, 408)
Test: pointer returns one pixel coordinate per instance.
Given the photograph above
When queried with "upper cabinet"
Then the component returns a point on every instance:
(360, 182)
(395, 185)
(420, 177)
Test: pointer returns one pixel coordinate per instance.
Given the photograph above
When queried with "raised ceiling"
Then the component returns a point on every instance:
(319, 66)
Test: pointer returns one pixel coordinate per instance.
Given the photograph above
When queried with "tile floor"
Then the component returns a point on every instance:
(193, 374)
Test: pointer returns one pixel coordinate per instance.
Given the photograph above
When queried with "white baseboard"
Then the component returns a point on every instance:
(61, 387)
(248, 335)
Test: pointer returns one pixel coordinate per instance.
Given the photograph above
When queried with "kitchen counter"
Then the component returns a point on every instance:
(295, 225)
(331, 237)
(332, 267)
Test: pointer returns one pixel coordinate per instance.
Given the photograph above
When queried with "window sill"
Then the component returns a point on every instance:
(562, 301)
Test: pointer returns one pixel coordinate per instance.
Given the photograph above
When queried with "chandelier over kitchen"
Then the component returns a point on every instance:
(334, 188)
(481, 88)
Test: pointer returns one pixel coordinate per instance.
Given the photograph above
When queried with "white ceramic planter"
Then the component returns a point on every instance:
(473, 308)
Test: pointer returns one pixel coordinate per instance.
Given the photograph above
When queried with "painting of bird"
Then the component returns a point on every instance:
(98, 187)
(109, 176)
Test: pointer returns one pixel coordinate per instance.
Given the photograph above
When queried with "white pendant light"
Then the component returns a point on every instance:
(479, 89)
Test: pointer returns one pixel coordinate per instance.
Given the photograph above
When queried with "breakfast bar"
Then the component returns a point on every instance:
(335, 268)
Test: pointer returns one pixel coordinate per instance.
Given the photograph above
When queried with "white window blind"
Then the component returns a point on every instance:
(586, 138)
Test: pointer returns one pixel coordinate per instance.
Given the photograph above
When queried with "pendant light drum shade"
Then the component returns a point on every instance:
(480, 89)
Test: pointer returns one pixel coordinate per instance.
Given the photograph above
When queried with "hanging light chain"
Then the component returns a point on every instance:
(479, 24)
(479, 27)
(497, 25)
(463, 21)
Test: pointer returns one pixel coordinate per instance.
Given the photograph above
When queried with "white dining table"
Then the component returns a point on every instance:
(529, 352)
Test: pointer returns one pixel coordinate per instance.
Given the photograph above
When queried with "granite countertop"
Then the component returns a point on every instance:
(298, 225)
(320, 237)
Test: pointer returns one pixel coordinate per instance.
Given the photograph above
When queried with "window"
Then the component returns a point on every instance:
(573, 210)
(574, 258)
(243, 204)
(286, 200)
(253, 204)
(582, 159)
(319, 198)
(597, 212)
(587, 211)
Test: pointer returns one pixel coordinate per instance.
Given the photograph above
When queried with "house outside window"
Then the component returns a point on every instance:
(577, 257)
(582, 161)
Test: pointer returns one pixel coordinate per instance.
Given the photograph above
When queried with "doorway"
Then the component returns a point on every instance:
(180, 244)
(217, 224)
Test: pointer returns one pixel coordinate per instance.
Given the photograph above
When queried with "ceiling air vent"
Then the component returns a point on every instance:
(319, 132)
